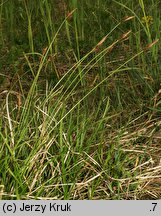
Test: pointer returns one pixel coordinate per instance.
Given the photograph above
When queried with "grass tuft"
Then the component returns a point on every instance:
(80, 100)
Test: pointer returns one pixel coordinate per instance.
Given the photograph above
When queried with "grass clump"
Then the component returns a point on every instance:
(80, 100)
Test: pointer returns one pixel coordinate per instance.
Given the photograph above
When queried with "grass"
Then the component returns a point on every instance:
(80, 100)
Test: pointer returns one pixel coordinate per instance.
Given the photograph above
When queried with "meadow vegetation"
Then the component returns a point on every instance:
(80, 99)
